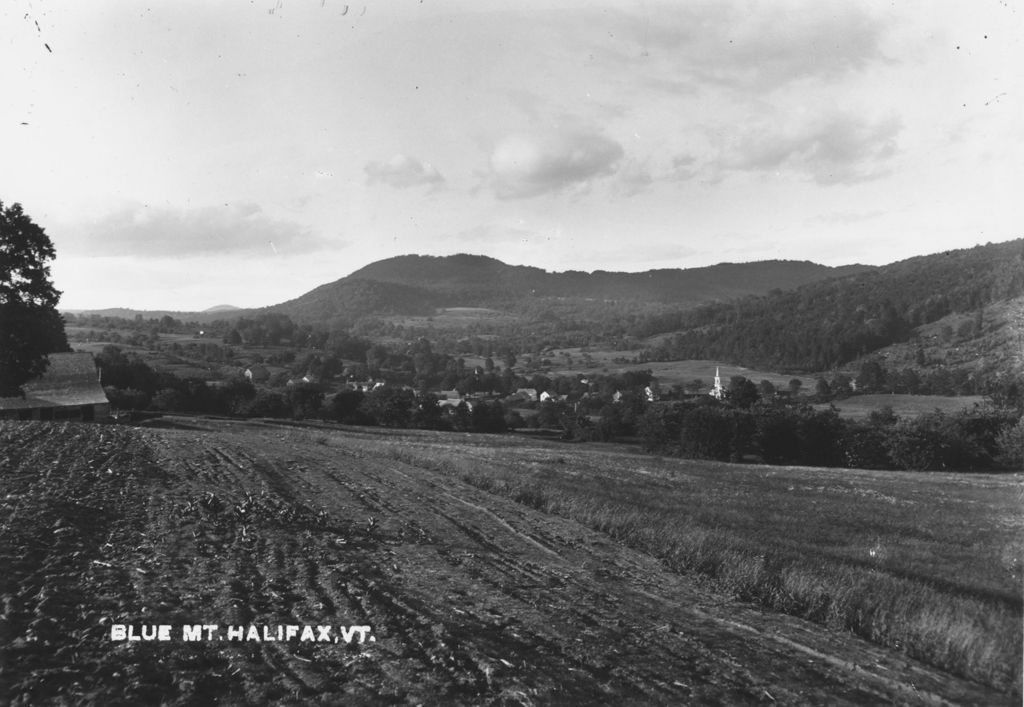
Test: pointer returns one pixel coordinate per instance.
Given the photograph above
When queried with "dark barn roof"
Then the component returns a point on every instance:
(70, 379)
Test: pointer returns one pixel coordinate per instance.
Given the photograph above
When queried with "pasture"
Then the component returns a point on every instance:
(668, 373)
(903, 405)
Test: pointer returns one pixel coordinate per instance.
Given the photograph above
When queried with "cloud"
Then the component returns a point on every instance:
(402, 172)
(495, 233)
(683, 167)
(233, 229)
(634, 177)
(834, 149)
(662, 255)
(753, 46)
(528, 165)
(845, 217)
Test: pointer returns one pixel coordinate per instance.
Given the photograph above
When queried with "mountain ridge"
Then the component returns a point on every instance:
(419, 284)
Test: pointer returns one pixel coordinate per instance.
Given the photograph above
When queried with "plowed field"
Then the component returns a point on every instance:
(471, 598)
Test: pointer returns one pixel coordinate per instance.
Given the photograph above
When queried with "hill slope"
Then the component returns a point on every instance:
(416, 284)
(825, 324)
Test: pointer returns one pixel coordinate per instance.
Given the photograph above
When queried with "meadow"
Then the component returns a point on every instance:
(928, 564)
(668, 373)
(903, 405)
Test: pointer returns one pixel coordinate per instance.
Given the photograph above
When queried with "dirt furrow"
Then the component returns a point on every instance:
(471, 598)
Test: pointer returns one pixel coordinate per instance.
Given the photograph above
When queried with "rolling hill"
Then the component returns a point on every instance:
(972, 295)
(418, 284)
(207, 315)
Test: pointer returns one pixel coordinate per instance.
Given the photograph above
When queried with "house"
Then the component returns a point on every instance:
(528, 394)
(451, 399)
(364, 386)
(257, 374)
(69, 390)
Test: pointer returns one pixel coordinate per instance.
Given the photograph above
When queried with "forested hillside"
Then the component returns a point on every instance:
(825, 324)
(416, 284)
(349, 299)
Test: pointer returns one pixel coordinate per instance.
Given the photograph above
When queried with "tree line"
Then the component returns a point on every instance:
(754, 423)
(978, 439)
(131, 384)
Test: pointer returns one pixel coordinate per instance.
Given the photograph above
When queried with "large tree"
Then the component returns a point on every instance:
(30, 325)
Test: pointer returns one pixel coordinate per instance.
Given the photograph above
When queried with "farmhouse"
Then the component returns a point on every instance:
(69, 390)
(257, 374)
(451, 399)
(365, 386)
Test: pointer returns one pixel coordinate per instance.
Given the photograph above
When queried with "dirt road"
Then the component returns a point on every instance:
(469, 598)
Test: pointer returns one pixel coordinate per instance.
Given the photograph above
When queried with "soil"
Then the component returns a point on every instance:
(470, 598)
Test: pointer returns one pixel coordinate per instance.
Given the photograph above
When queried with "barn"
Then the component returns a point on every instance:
(69, 390)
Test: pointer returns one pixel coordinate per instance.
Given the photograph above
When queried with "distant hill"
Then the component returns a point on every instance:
(825, 324)
(203, 317)
(222, 308)
(990, 338)
(418, 284)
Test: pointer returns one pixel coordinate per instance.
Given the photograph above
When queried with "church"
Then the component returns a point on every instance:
(718, 392)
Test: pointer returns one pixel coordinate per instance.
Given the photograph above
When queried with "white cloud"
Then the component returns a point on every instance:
(833, 149)
(751, 46)
(526, 165)
(160, 232)
(683, 167)
(845, 217)
(634, 177)
(490, 234)
(402, 172)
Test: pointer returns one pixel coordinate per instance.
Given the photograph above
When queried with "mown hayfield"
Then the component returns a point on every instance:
(930, 564)
(457, 318)
(860, 406)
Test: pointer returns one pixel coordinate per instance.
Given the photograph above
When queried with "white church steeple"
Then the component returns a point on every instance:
(717, 392)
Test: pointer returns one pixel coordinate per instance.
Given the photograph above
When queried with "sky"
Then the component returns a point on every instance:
(187, 154)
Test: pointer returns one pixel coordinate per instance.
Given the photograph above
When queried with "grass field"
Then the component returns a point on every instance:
(668, 373)
(457, 318)
(928, 564)
(860, 406)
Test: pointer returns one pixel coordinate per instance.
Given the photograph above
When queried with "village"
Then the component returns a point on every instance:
(74, 388)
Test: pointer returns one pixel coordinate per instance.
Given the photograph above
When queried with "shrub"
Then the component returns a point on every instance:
(707, 432)
(778, 436)
(1010, 446)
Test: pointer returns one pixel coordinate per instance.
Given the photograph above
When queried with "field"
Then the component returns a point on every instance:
(669, 373)
(457, 318)
(491, 570)
(860, 406)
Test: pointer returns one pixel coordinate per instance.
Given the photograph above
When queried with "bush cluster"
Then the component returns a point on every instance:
(981, 438)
